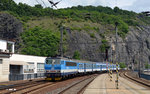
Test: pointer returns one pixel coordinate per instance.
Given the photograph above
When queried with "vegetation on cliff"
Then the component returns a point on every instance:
(41, 25)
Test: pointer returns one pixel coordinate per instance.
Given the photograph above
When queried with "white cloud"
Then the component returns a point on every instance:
(139, 6)
(135, 5)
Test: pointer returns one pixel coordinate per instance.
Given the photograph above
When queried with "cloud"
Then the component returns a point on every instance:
(135, 5)
(139, 6)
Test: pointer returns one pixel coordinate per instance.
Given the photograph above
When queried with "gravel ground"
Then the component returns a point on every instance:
(60, 86)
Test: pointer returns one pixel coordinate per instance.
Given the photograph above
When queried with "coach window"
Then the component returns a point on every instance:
(90, 66)
(80, 65)
(71, 64)
(87, 65)
(1, 61)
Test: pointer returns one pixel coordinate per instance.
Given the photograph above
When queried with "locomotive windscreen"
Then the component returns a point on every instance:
(52, 61)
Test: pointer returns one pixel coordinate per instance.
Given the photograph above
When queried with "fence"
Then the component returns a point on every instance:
(15, 77)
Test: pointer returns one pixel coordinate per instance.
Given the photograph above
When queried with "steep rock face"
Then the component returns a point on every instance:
(10, 28)
(131, 50)
(138, 49)
(82, 42)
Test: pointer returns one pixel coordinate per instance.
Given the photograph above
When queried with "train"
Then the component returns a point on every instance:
(57, 68)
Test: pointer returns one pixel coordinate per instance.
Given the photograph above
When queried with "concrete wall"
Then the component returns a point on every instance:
(4, 70)
(28, 59)
(17, 58)
(3, 44)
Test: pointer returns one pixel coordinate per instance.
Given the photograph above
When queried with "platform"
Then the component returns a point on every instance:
(103, 85)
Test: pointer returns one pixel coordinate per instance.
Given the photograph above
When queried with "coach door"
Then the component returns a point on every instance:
(84, 68)
(100, 67)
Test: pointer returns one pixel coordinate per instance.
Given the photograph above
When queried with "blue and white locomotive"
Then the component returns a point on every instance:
(59, 68)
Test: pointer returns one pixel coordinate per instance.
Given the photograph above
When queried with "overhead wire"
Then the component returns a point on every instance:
(44, 3)
(37, 1)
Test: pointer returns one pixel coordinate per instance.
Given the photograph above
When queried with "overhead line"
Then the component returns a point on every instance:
(44, 3)
(37, 1)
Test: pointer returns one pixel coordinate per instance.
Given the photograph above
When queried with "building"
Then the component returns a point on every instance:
(17, 66)
(26, 64)
(6, 50)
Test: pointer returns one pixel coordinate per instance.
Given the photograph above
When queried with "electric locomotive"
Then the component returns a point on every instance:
(58, 68)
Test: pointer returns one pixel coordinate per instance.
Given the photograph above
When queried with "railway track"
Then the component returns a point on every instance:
(75, 85)
(33, 88)
(79, 86)
(139, 81)
(20, 87)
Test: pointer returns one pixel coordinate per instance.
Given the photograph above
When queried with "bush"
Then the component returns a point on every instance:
(104, 45)
(122, 65)
(147, 66)
(92, 35)
(76, 55)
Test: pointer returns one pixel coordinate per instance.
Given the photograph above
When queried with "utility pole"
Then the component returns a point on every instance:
(111, 62)
(117, 74)
(139, 72)
(61, 41)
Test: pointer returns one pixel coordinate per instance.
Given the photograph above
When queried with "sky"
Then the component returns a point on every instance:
(132, 5)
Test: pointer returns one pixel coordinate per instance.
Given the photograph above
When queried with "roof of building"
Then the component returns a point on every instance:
(12, 40)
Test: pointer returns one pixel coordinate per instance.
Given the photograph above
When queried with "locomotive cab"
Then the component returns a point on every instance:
(52, 69)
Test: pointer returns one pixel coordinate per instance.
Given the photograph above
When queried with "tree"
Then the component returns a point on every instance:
(39, 6)
(40, 42)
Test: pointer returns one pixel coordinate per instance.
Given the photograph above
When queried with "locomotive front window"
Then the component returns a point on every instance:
(49, 61)
(52, 61)
(57, 61)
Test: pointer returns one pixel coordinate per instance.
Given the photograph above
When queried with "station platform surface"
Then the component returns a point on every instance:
(103, 85)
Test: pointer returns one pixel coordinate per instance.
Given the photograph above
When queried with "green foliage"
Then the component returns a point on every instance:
(122, 65)
(102, 35)
(76, 55)
(99, 14)
(40, 42)
(92, 35)
(147, 66)
(104, 45)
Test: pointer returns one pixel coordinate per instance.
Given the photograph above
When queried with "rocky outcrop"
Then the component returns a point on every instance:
(10, 27)
(133, 49)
